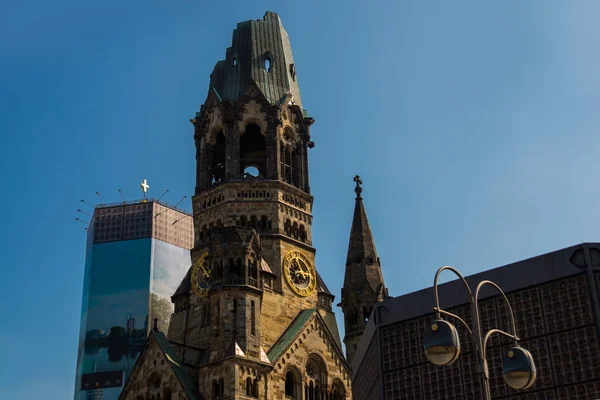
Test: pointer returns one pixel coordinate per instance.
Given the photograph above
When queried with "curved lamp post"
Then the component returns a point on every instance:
(442, 345)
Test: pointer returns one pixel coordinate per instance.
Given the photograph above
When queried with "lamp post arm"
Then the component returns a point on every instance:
(510, 312)
(435, 289)
(440, 311)
(489, 333)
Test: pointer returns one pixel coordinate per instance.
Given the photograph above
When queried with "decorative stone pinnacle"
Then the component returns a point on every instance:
(358, 188)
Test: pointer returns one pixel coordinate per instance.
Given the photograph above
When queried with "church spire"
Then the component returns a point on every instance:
(363, 280)
(362, 245)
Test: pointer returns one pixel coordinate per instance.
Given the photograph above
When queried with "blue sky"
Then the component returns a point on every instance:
(474, 126)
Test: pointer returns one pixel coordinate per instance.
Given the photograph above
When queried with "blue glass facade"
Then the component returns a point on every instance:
(127, 284)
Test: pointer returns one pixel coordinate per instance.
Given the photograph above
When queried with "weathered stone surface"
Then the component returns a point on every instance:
(252, 207)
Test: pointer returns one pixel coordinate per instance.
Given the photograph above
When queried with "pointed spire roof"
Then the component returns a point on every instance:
(362, 244)
(362, 263)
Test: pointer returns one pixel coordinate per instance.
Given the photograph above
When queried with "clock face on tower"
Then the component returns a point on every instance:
(200, 277)
(299, 273)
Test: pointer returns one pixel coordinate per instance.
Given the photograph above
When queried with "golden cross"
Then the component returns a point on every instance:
(357, 180)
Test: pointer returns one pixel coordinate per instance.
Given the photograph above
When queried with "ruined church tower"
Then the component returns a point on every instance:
(253, 318)
(363, 280)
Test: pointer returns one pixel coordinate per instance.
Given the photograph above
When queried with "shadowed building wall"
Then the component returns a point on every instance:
(555, 300)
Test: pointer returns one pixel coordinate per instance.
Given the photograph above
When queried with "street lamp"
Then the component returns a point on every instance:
(442, 345)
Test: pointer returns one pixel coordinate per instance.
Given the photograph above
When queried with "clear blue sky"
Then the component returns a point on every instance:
(474, 126)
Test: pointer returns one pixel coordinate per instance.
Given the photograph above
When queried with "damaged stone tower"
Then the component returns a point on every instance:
(253, 318)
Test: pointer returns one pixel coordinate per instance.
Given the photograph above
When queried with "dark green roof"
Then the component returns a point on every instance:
(254, 42)
(290, 334)
(175, 362)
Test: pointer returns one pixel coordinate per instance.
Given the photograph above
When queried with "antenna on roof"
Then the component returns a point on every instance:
(166, 191)
(84, 213)
(83, 201)
(183, 198)
(121, 193)
(83, 222)
(101, 201)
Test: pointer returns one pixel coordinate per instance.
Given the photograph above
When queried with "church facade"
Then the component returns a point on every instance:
(253, 319)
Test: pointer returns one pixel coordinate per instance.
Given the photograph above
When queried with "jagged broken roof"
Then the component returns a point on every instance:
(261, 52)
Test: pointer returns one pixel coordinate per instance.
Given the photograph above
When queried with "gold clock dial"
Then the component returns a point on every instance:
(200, 278)
(299, 273)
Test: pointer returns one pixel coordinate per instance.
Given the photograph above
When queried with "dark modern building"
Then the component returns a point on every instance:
(136, 255)
(555, 300)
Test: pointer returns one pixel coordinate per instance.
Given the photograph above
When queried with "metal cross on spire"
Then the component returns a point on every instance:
(144, 185)
(358, 188)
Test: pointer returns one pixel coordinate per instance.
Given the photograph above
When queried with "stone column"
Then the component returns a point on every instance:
(272, 142)
(232, 140)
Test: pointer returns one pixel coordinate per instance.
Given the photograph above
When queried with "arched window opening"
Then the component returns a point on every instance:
(289, 159)
(215, 389)
(249, 387)
(311, 391)
(316, 374)
(264, 222)
(302, 233)
(221, 387)
(234, 315)
(251, 171)
(351, 320)
(295, 230)
(252, 318)
(290, 383)
(288, 227)
(243, 220)
(293, 71)
(218, 318)
(235, 61)
(338, 392)
(217, 166)
(366, 314)
(268, 62)
(254, 222)
(253, 150)
(153, 387)
(236, 269)
(255, 388)
(296, 162)
(253, 270)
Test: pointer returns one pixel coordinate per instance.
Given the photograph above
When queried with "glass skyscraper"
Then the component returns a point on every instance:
(137, 253)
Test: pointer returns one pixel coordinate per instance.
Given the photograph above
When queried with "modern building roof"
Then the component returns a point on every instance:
(519, 275)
